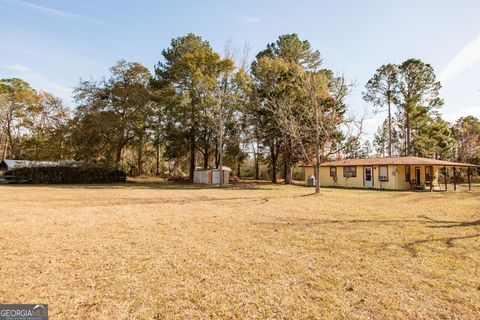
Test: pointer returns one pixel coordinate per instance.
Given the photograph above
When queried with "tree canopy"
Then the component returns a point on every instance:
(202, 109)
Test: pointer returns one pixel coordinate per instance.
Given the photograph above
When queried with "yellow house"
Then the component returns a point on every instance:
(393, 173)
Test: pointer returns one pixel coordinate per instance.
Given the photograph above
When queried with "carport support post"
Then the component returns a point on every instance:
(431, 178)
(445, 171)
(469, 180)
(455, 178)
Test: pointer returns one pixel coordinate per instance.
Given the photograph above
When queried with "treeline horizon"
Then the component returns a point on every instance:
(200, 108)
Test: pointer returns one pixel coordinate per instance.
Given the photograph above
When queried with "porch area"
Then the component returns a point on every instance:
(439, 178)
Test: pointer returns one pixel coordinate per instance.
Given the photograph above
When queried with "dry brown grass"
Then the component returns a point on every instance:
(164, 251)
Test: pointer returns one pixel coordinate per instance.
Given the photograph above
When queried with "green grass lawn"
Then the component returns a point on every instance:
(169, 251)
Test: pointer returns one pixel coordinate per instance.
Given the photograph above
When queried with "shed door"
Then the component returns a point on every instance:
(215, 177)
(368, 176)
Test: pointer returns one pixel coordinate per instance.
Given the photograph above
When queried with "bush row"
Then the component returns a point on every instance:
(57, 175)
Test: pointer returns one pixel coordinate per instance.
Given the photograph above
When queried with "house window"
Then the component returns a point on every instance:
(350, 172)
(383, 173)
(427, 174)
(407, 173)
(333, 171)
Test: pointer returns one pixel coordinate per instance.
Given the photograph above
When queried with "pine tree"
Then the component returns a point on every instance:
(189, 75)
(418, 95)
(381, 91)
(381, 139)
(276, 71)
(466, 132)
(433, 138)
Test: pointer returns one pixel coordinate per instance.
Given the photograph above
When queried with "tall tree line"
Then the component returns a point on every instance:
(410, 93)
(201, 108)
(33, 125)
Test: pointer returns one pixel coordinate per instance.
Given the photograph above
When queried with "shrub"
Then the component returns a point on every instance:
(57, 175)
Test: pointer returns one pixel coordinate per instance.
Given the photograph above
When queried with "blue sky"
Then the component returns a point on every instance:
(52, 44)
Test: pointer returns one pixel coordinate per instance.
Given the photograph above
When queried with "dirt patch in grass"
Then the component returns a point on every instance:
(166, 251)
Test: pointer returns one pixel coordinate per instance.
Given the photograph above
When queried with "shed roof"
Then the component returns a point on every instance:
(225, 168)
(394, 161)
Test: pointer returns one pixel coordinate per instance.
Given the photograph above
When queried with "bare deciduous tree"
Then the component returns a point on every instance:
(315, 118)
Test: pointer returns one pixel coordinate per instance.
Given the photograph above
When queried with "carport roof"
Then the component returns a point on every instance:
(413, 161)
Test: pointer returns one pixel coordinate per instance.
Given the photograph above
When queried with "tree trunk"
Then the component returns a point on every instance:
(157, 150)
(288, 172)
(220, 148)
(255, 154)
(255, 160)
(206, 155)
(273, 155)
(389, 128)
(192, 154)
(124, 139)
(238, 169)
(288, 162)
(216, 153)
(140, 154)
(118, 156)
(274, 170)
(407, 124)
(9, 149)
(1, 139)
(157, 160)
(317, 148)
(220, 167)
(317, 175)
(193, 129)
(5, 146)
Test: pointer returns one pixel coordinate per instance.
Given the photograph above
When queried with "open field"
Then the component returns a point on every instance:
(165, 251)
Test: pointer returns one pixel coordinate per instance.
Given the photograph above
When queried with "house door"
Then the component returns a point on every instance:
(417, 176)
(368, 176)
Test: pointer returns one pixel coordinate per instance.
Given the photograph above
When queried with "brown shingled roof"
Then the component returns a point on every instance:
(393, 161)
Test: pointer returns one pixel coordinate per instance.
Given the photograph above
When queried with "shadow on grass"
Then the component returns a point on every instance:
(449, 241)
(179, 201)
(424, 220)
(452, 224)
(151, 185)
(410, 246)
(255, 185)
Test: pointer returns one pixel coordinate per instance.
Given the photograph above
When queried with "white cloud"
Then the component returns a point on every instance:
(249, 19)
(38, 81)
(469, 111)
(469, 55)
(48, 11)
(16, 67)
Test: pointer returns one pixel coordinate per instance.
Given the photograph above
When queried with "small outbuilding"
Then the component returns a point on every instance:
(211, 176)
